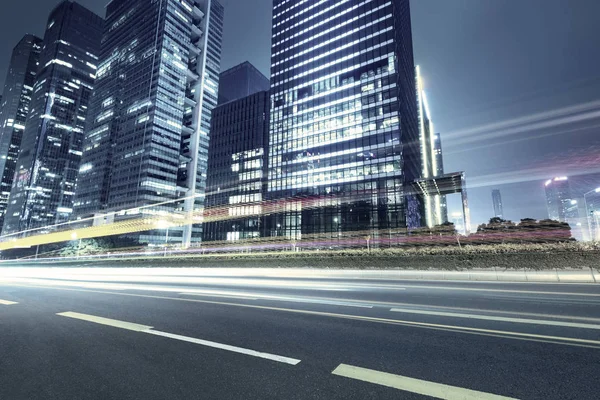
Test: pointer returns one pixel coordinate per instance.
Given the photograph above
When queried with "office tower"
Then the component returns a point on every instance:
(237, 158)
(18, 89)
(147, 141)
(561, 204)
(497, 201)
(436, 211)
(241, 81)
(344, 134)
(47, 167)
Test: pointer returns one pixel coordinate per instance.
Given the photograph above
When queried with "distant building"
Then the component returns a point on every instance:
(497, 201)
(236, 163)
(48, 163)
(14, 106)
(241, 81)
(148, 137)
(561, 204)
(592, 205)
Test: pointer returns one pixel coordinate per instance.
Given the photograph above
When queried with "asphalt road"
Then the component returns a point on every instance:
(129, 335)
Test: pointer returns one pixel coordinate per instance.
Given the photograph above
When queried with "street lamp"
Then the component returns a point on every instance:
(74, 237)
(162, 224)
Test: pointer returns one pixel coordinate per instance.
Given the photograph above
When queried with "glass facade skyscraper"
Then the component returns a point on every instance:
(436, 210)
(344, 135)
(234, 201)
(237, 157)
(148, 136)
(46, 172)
(14, 108)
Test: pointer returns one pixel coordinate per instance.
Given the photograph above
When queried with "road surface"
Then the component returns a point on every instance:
(127, 334)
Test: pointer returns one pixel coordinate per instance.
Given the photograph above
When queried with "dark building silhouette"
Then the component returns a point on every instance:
(48, 164)
(14, 108)
(235, 186)
(241, 81)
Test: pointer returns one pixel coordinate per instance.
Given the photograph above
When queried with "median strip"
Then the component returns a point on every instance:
(499, 319)
(149, 329)
(7, 302)
(425, 388)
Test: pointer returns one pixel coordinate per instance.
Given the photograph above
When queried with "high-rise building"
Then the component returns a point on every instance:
(14, 106)
(562, 206)
(241, 81)
(148, 135)
(436, 210)
(47, 167)
(237, 160)
(344, 132)
(497, 201)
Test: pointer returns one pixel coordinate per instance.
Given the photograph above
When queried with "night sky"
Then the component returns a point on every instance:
(513, 85)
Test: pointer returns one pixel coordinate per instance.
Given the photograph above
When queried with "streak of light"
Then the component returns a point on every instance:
(496, 134)
(524, 120)
(495, 144)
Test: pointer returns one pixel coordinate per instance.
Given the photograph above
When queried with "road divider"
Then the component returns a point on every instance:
(425, 388)
(497, 318)
(149, 330)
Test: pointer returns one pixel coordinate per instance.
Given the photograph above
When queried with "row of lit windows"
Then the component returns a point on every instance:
(353, 174)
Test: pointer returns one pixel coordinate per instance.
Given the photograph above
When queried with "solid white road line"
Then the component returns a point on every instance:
(235, 349)
(496, 318)
(7, 303)
(288, 299)
(148, 329)
(217, 295)
(418, 386)
(106, 321)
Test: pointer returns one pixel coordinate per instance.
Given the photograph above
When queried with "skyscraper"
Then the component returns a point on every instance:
(561, 204)
(237, 158)
(148, 135)
(344, 134)
(497, 201)
(241, 81)
(436, 212)
(14, 107)
(42, 193)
